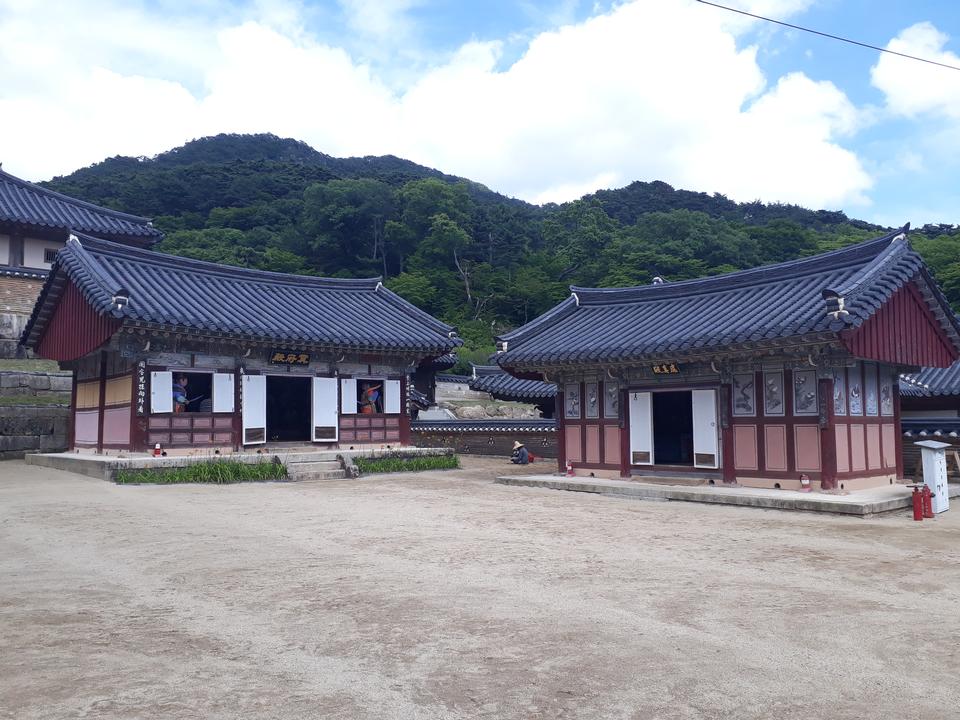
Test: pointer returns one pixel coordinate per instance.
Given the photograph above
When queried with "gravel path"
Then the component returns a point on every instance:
(442, 595)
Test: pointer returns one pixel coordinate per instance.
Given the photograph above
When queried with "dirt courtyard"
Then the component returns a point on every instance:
(442, 595)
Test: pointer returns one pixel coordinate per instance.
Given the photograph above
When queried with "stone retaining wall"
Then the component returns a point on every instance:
(34, 412)
(543, 445)
(32, 429)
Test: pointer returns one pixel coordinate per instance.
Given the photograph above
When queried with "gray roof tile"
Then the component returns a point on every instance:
(191, 295)
(501, 385)
(29, 204)
(932, 382)
(600, 325)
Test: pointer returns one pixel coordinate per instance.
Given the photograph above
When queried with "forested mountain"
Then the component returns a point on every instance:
(470, 256)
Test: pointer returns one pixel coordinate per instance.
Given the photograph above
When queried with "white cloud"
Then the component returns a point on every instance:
(648, 90)
(912, 88)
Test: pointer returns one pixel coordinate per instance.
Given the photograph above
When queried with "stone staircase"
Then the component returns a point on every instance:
(300, 470)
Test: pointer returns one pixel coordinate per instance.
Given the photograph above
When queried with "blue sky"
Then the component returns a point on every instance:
(540, 100)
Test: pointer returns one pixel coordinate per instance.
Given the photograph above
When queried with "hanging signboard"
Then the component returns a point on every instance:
(666, 369)
(289, 357)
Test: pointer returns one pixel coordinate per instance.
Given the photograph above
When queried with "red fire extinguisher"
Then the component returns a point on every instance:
(570, 471)
(156, 450)
(927, 502)
(917, 504)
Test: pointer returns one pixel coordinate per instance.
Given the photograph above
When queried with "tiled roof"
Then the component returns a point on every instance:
(540, 425)
(932, 382)
(443, 362)
(945, 429)
(183, 295)
(28, 204)
(503, 386)
(418, 398)
(24, 272)
(749, 308)
(448, 378)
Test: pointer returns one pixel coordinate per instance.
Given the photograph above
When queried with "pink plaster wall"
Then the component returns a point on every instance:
(858, 454)
(116, 426)
(745, 447)
(571, 439)
(807, 447)
(611, 445)
(85, 428)
(889, 445)
(593, 444)
(843, 448)
(874, 460)
(775, 447)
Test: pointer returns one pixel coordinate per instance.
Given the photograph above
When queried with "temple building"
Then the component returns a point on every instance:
(194, 355)
(501, 385)
(930, 410)
(765, 377)
(34, 225)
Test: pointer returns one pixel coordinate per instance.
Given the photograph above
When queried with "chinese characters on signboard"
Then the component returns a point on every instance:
(666, 369)
(289, 357)
(141, 386)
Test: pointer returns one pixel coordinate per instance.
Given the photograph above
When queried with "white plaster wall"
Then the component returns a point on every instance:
(33, 251)
(4, 249)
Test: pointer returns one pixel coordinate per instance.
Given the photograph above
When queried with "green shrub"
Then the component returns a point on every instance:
(215, 471)
(415, 463)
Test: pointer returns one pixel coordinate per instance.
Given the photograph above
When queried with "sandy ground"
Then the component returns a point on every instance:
(442, 595)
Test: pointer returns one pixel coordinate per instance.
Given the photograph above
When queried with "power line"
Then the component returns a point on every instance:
(828, 35)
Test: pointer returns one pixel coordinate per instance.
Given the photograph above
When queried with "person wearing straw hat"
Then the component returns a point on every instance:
(520, 455)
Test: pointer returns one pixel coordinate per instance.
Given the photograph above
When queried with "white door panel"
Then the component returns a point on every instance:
(325, 415)
(223, 392)
(391, 401)
(254, 398)
(641, 428)
(161, 392)
(348, 396)
(706, 445)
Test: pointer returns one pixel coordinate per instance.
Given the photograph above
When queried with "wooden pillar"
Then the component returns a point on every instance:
(72, 420)
(561, 439)
(236, 423)
(16, 249)
(624, 433)
(828, 435)
(103, 399)
(727, 468)
(404, 415)
(897, 429)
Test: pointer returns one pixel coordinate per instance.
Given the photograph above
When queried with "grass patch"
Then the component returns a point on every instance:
(219, 472)
(44, 400)
(415, 463)
(30, 365)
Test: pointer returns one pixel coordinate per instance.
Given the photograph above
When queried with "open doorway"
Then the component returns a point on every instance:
(673, 428)
(288, 409)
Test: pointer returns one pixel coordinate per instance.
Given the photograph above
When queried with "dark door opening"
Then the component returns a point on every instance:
(289, 415)
(673, 428)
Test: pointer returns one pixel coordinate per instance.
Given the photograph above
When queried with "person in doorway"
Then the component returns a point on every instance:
(370, 400)
(180, 394)
(520, 454)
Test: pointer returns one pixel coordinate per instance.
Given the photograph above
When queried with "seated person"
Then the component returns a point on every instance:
(520, 454)
(180, 394)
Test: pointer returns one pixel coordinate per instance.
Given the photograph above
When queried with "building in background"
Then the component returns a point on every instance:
(760, 377)
(501, 385)
(930, 410)
(34, 224)
(199, 356)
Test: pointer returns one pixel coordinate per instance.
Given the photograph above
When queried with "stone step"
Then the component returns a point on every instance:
(669, 480)
(318, 475)
(314, 466)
